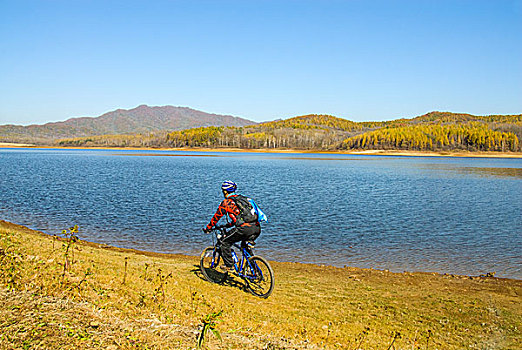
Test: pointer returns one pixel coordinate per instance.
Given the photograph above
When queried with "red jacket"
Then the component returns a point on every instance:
(227, 206)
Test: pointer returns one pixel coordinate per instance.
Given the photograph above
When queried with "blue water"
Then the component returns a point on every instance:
(448, 215)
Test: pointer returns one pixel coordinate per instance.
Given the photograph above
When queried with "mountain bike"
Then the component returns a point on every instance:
(254, 270)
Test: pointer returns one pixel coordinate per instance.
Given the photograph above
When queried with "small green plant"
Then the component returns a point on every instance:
(84, 278)
(360, 337)
(125, 272)
(159, 291)
(70, 239)
(144, 275)
(9, 262)
(395, 335)
(197, 301)
(428, 339)
(52, 250)
(141, 299)
(209, 324)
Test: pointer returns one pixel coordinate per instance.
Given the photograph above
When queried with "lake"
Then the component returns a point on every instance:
(440, 214)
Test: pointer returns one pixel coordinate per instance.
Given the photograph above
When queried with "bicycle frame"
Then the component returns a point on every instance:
(239, 265)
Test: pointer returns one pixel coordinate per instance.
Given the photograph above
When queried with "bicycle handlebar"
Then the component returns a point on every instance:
(218, 227)
(222, 235)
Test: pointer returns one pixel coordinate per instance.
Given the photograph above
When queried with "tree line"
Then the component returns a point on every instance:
(472, 136)
(432, 132)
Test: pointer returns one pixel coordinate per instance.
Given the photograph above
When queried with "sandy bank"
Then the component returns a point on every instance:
(395, 153)
(15, 145)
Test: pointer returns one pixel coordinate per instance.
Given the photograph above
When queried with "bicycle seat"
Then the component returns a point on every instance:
(249, 244)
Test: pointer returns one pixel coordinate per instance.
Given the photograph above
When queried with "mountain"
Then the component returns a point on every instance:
(142, 119)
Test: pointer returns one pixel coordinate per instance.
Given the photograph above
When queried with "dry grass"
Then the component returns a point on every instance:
(111, 298)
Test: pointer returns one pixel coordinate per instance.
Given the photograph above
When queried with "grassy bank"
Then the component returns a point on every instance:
(63, 294)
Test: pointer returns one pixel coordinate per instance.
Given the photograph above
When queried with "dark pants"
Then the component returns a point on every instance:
(237, 234)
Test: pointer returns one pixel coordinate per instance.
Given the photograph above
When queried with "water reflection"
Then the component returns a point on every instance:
(480, 171)
(166, 155)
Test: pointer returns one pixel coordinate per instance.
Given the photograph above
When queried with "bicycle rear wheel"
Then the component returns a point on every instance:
(209, 263)
(259, 277)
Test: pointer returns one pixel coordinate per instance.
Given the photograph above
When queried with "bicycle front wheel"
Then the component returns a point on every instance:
(209, 263)
(259, 277)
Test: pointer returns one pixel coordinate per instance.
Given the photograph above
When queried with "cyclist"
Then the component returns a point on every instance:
(244, 230)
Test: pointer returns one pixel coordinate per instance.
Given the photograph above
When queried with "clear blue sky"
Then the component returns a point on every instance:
(262, 60)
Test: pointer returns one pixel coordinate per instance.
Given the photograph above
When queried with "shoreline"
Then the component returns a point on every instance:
(154, 254)
(393, 153)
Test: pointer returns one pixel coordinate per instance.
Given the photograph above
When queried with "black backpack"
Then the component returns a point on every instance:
(247, 213)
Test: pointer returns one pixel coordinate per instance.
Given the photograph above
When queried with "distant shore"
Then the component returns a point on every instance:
(395, 153)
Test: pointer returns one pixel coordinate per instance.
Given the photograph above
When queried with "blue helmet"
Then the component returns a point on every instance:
(229, 186)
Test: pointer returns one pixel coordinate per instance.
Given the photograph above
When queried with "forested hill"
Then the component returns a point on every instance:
(141, 119)
(430, 132)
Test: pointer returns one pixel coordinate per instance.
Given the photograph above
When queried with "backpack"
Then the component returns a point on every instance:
(247, 212)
